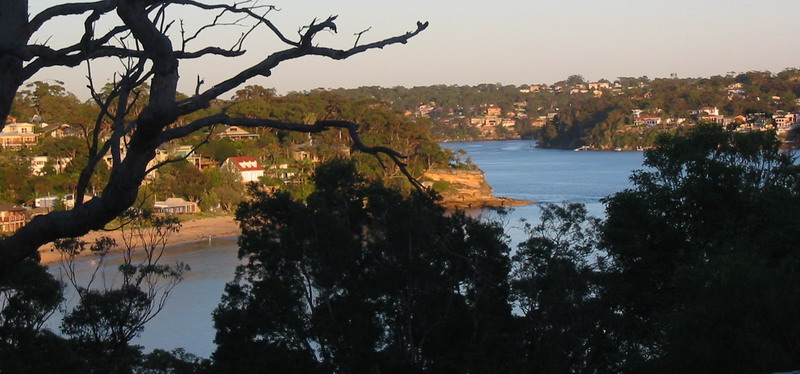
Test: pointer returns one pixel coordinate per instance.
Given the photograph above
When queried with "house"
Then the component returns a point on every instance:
(182, 151)
(200, 162)
(247, 167)
(175, 205)
(537, 87)
(235, 133)
(48, 202)
(493, 111)
(708, 110)
(648, 120)
(599, 85)
(283, 172)
(39, 162)
(21, 128)
(783, 119)
(757, 120)
(60, 131)
(303, 152)
(12, 218)
(424, 110)
(492, 121)
(711, 118)
(18, 135)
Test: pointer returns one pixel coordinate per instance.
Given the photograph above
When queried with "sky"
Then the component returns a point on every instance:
(504, 41)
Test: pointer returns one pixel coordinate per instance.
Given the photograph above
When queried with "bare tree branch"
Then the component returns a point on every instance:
(358, 36)
(182, 158)
(317, 127)
(264, 68)
(145, 22)
(102, 6)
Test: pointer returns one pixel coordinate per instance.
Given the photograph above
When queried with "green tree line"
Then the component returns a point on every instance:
(50, 102)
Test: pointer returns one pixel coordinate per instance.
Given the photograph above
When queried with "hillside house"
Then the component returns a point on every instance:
(424, 110)
(38, 164)
(599, 85)
(783, 119)
(647, 120)
(201, 162)
(493, 111)
(709, 110)
(175, 205)
(538, 87)
(282, 171)
(304, 152)
(18, 135)
(508, 123)
(60, 131)
(12, 218)
(711, 118)
(246, 167)
(235, 133)
(48, 202)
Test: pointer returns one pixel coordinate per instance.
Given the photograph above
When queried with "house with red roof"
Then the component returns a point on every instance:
(247, 167)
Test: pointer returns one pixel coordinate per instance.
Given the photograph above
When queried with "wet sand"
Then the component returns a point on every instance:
(191, 231)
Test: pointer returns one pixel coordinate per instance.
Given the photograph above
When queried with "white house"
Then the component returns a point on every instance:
(247, 167)
(175, 205)
(39, 162)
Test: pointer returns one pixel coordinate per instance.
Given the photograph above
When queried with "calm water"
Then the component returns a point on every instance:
(513, 168)
(516, 169)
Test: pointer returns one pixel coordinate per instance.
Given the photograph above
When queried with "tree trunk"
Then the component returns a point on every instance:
(14, 34)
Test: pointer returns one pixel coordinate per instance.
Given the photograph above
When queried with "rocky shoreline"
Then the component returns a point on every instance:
(466, 188)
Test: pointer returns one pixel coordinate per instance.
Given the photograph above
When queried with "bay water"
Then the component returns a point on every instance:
(513, 168)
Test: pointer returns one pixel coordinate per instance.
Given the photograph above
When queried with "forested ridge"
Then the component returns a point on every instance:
(54, 110)
(603, 114)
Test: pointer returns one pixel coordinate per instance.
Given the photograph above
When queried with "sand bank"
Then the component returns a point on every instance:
(191, 231)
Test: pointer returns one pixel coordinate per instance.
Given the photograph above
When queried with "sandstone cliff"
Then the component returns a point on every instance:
(463, 188)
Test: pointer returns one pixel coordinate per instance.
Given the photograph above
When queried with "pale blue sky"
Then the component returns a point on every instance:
(513, 42)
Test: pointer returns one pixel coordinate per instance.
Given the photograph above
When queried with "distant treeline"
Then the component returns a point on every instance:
(574, 112)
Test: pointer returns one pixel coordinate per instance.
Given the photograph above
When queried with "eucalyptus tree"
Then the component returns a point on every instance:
(142, 109)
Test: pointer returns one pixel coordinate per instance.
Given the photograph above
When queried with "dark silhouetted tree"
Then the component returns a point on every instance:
(361, 279)
(704, 252)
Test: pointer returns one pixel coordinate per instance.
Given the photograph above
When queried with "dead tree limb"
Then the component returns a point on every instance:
(152, 60)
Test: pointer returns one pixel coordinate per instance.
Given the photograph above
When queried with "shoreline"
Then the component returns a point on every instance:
(481, 140)
(493, 202)
(192, 231)
(207, 228)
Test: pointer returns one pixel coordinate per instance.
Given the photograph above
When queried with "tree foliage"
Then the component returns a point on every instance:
(704, 252)
(362, 279)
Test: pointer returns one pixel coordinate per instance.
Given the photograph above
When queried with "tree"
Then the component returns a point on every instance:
(114, 310)
(703, 255)
(153, 60)
(557, 272)
(362, 279)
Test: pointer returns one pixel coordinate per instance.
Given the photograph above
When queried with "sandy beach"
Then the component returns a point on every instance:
(191, 231)
(202, 229)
